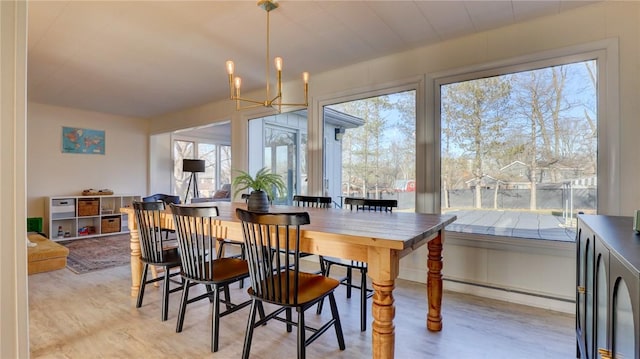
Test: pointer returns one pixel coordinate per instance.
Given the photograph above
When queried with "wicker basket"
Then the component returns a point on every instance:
(110, 224)
(93, 192)
(88, 207)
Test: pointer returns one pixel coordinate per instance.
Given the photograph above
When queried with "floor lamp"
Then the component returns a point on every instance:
(193, 166)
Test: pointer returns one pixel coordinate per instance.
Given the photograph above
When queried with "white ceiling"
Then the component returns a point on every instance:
(146, 58)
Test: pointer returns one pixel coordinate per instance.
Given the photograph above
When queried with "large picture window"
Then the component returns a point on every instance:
(519, 150)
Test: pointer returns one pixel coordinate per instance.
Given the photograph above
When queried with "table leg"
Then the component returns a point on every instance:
(384, 310)
(434, 283)
(136, 265)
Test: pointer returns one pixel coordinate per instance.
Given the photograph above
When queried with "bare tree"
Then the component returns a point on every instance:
(473, 114)
(363, 147)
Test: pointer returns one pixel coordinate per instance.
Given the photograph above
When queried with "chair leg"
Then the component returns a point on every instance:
(215, 319)
(363, 300)
(336, 324)
(227, 296)
(301, 335)
(289, 316)
(349, 282)
(209, 292)
(183, 306)
(261, 312)
(326, 268)
(241, 285)
(143, 279)
(165, 294)
(249, 332)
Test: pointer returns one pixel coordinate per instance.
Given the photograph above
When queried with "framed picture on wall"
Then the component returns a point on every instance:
(83, 140)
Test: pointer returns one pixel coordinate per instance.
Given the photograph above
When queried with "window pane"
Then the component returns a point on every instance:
(225, 165)
(370, 149)
(278, 143)
(181, 150)
(518, 151)
(207, 184)
(281, 155)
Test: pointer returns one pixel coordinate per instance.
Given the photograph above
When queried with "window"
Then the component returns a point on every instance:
(370, 149)
(519, 150)
(279, 143)
(217, 172)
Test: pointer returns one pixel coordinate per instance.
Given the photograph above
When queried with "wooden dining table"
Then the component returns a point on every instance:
(380, 239)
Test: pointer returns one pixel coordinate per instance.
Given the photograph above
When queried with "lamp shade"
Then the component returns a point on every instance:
(192, 165)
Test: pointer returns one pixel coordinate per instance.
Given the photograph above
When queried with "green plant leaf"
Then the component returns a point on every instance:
(263, 180)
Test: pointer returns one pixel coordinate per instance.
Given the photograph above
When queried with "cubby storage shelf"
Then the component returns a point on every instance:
(86, 216)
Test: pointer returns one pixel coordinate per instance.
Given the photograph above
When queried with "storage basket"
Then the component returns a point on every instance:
(110, 224)
(88, 207)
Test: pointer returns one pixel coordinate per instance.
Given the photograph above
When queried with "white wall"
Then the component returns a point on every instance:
(123, 168)
(14, 301)
(545, 270)
(161, 161)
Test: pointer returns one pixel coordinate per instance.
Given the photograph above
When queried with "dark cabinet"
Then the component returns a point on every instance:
(608, 288)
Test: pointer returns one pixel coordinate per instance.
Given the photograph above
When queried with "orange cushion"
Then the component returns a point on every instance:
(47, 255)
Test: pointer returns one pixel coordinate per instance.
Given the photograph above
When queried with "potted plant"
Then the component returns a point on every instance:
(262, 184)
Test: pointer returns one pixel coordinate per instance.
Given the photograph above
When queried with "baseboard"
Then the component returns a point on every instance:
(495, 292)
(511, 296)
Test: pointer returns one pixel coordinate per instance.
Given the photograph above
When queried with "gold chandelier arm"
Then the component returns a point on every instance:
(248, 107)
(267, 58)
(261, 103)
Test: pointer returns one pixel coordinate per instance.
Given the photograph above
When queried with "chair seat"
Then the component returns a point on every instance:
(345, 262)
(224, 270)
(171, 257)
(311, 287)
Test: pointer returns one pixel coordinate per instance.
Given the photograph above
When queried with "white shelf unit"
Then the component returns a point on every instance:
(87, 216)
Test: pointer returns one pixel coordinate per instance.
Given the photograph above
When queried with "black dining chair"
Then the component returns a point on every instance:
(167, 199)
(223, 241)
(313, 202)
(283, 284)
(196, 229)
(154, 251)
(359, 204)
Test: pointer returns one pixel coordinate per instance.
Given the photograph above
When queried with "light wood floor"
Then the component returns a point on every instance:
(92, 316)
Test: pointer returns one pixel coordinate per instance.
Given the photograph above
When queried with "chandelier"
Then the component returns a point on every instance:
(235, 82)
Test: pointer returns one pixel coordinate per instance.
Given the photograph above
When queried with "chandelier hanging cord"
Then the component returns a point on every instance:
(235, 82)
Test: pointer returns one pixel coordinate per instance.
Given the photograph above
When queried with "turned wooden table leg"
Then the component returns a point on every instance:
(136, 265)
(134, 244)
(384, 311)
(434, 283)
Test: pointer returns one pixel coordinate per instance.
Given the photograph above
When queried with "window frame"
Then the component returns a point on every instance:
(605, 53)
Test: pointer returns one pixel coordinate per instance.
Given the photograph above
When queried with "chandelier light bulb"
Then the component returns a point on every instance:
(305, 77)
(237, 83)
(230, 67)
(278, 61)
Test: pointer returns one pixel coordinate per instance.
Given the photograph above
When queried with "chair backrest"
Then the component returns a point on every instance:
(264, 235)
(166, 198)
(370, 204)
(149, 216)
(196, 229)
(312, 201)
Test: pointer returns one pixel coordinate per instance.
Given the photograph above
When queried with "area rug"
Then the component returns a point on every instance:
(91, 254)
